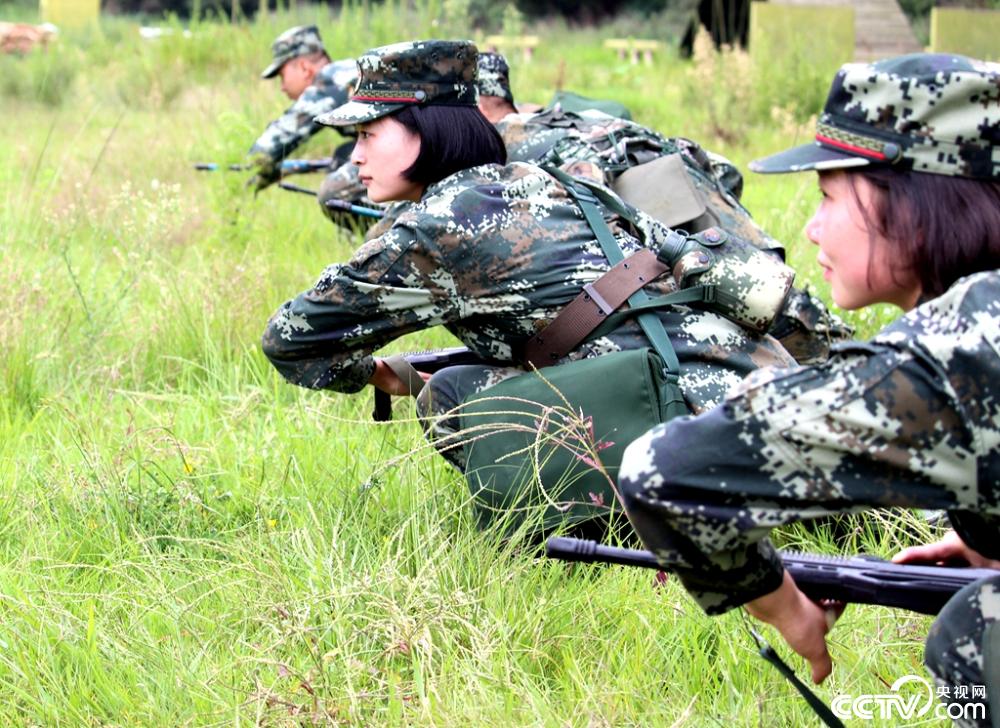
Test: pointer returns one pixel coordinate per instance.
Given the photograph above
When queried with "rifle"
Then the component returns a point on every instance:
(288, 166)
(858, 579)
(421, 361)
(346, 206)
(334, 204)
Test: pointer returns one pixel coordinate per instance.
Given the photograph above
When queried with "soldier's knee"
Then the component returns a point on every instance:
(424, 402)
(638, 470)
(961, 648)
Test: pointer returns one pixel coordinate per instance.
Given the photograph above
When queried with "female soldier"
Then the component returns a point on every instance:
(908, 154)
(491, 252)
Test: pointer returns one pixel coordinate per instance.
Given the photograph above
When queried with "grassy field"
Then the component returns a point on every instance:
(188, 540)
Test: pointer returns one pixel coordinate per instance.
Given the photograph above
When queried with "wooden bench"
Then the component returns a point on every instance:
(22, 37)
(632, 49)
(526, 43)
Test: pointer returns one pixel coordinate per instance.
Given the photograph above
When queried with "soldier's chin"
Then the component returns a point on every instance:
(376, 195)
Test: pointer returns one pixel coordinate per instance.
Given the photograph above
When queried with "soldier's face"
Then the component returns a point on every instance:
(296, 76)
(384, 150)
(856, 261)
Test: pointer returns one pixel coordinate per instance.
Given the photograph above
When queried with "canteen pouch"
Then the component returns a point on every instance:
(750, 285)
(536, 444)
(663, 190)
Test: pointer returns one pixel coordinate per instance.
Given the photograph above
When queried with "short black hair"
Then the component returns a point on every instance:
(452, 138)
(941, 228)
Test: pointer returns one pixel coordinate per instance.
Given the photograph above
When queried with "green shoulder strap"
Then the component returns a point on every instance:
(650, 323)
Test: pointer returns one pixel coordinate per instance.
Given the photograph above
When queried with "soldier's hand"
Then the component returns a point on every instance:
(257, 183)
(802, 623)
(267, 172)
(951, 549)
(385, 378)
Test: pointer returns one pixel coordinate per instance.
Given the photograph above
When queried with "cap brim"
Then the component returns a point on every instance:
(357, 112)
(812, 156)
(272, 70)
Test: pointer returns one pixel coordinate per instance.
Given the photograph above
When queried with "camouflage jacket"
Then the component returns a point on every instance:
(909, 419)
(601, 147)
(492, 253)
(330, 89)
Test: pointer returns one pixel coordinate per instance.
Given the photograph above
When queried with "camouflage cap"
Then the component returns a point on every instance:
(441, 72)
(494, 76)
(294, 42)
(932, 113)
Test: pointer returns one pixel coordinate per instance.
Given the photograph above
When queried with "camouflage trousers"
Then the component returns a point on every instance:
(439, 404)
(344, 184)
(958, 648)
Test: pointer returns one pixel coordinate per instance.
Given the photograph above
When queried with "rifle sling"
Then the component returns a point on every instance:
(819, 707)
(591, 307)
(651, 325)
(407, 374)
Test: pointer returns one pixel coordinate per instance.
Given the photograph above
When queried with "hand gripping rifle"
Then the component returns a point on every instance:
(857, 579)
(408, 367)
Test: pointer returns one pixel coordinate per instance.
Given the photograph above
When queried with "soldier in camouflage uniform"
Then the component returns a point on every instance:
(491, 252)
(316, 85)
(701, 192)
(910, 418)
(313, 83)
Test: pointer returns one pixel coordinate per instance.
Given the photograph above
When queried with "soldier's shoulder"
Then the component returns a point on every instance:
(339, 74)
(490, 175)
(970, 309)
(468, 199)
(974, 296)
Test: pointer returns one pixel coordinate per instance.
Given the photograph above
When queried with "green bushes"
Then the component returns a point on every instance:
(971, 32)
(793, 68)
(45, 75)
(189, 540)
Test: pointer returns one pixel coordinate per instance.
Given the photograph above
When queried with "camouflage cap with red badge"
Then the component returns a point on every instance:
(438, 72)
(931, 113)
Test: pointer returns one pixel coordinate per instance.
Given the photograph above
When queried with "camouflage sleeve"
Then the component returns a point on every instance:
(283, 135)
(876, 426)
(807, 328)
(324, 338)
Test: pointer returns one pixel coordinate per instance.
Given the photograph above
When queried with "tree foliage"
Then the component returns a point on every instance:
(481, 12)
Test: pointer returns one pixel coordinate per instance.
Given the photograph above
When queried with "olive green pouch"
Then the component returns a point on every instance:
(543, 449)
(547, 445)
(663, 190)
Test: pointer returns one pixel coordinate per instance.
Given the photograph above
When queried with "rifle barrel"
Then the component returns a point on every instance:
(295, 188)
(288, 166)
(857, 579)
(356, 209)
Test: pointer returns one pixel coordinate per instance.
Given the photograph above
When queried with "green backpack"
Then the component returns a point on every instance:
(543, 449)
(576, 103)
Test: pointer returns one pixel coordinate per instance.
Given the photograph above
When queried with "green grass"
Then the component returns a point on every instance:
(188, 540)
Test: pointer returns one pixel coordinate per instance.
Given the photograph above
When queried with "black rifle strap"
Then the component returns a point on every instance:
(819, 707)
